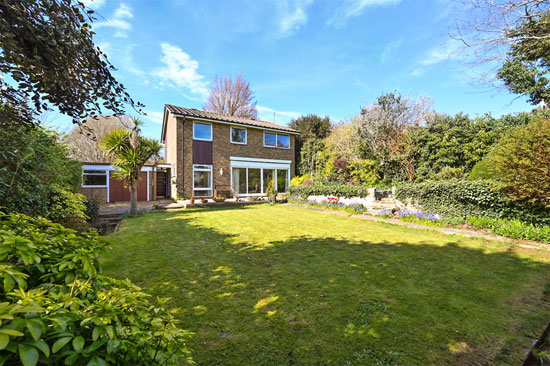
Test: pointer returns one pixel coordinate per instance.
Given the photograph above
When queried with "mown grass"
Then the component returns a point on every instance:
(280, 285)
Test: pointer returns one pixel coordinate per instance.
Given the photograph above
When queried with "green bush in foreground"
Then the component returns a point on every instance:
(57, 308)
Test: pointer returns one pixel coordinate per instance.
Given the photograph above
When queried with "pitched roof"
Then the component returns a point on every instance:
(191, 112)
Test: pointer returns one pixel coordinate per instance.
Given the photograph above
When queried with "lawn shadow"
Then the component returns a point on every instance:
(325, 300)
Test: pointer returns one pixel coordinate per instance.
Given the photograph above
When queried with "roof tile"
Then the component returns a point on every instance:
(191, 112)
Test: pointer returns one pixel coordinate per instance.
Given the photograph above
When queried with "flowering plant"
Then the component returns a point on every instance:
(333, 199)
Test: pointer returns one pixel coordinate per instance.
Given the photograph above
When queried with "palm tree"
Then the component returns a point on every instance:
(130, 152)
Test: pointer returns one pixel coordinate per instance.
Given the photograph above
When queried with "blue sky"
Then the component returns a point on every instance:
(300, 56)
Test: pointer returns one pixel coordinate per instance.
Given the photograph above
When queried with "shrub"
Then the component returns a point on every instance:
(328, 189)
(271, 192)
(92, 210)
(482, 170)
(68, 209)
(461, 198)
(57, 308)
(515, 229)
(299, 180)
(521, 161)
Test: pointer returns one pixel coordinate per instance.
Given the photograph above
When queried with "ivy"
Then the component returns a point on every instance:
(462, 198)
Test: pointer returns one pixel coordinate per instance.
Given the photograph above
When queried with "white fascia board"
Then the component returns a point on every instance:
(248, 164)
(257, 160)
(110, 167)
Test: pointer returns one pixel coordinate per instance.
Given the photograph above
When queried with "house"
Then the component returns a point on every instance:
(212, 154)
(98, 183)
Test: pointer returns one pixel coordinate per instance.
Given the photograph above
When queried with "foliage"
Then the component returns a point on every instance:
(324, 189)
(383, 128)
(515, 229)
(47, 48)
(308, 145)
(92, 209)
(57, 308)
(448, 172)
(483, 170)
(280, 285)
(364, 171)
(525, 70)
(419, 217)
(85, 139)
(521, 161)
(68, 209)
(462, 198)
(231, 98)
(130, 152)
(34, 165)
(299, 180)
(457, 142)
(271, 192)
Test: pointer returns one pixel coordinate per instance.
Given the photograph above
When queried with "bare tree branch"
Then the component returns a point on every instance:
(231, 98)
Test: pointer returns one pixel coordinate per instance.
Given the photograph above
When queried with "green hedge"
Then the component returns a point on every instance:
(515, 229)
(324, 189)
(462, 198)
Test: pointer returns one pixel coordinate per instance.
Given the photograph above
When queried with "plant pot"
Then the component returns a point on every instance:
(192, 200)
(219, 199)
(202, 200)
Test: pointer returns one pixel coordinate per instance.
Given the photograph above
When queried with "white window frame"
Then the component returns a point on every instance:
(197, 169)
(262, 193)
(276, 140)
(96, 172)
(211, 131)
(231, 135)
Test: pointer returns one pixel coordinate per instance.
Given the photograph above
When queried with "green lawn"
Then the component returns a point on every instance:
(280, 285)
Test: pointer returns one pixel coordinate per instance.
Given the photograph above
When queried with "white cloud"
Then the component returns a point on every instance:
(94, 4)
(390, 49)
(119, 21)
(450, 50)
(266, 114)
(354, 8)
(179, 70)
(155, 117)
(292, 15)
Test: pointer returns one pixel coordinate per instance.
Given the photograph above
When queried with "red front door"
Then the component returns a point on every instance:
(119, 193)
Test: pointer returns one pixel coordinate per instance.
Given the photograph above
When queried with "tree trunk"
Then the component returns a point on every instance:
(133, 199)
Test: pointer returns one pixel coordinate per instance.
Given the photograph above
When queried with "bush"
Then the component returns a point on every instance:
(299, 180)
(57, 308)
(521, 160)
(482, 170)
(515, 229)
(461, 198)
(92, 210)
(327, 189)
(68, 209)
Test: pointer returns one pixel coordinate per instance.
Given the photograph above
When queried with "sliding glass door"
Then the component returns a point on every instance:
(254, 181)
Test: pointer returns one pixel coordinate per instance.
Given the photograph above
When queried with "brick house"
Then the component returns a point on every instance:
(212, 154)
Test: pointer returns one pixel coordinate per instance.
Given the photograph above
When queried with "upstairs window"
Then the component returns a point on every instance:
(238, 135)
(276, 140)
(202, 131)
(94, 178)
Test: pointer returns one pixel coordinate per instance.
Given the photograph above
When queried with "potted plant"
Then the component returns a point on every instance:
(192, 200)
(219, 199)
(202, 200)
(271, 192)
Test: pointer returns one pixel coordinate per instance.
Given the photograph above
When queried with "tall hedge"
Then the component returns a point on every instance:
(323, 189)
(462, 198)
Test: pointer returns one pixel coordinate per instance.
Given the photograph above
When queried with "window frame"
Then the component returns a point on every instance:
(245, 135)
(277, 140)
(211, 131)
(199, 168)
(262, 191)
(101, 172)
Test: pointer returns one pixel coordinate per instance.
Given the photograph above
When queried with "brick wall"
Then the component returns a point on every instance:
(95, 194)
(222, 149)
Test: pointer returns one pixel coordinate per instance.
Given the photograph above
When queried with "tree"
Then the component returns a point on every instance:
(130, 152)
(47, 48)
(521, 162)
(85, 139)
(527, 67)
(231, 98)
(35, 167)
(383, 128)
(308, 145)
(513, 35)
